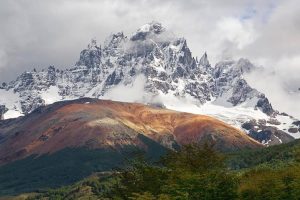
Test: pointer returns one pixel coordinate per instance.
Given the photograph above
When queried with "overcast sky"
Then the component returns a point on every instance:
(36, 33)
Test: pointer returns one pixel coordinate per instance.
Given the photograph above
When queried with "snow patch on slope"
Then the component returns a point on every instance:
(11, 101)
(233, 115)
(12, 114)
(51, 95)
(11, 98)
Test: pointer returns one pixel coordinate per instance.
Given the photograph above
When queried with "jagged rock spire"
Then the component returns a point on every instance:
(114, 40)
(93, 44)
(204, 60)
(90, 57)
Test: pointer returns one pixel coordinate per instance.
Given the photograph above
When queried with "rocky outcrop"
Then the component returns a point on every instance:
(268, 135)
(297, 123)
(265, 106)
(231, 85)
(3, 110)
(90, 57)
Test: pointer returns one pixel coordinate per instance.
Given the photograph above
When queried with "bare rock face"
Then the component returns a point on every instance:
(292, 130)
(265, 106)
(3, 110)
(230, 82)
(265, 134)
(31, 103)
(90, 57)
(297, 123)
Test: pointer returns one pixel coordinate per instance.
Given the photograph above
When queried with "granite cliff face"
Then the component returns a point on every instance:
(164, 61)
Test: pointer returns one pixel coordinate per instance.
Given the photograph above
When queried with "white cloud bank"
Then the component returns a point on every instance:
(129, 93)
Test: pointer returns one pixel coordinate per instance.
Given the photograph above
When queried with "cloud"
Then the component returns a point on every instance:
(232, 35)
(134, 92)
(281, 85)
(233, 30)
(52, 32)
(3, 58)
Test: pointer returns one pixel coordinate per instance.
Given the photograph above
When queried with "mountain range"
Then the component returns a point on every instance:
(144, 96)
(64, 142)
(104, 124)
(154, 67)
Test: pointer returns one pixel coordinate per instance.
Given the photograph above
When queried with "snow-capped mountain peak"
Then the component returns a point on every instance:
(170, 74)
(148, 30)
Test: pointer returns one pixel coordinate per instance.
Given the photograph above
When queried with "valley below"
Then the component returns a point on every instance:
(101, 149)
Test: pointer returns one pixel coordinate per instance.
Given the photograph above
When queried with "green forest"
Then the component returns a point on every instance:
(193, 173)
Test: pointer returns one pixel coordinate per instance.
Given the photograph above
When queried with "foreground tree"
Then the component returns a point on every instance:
(194, 172)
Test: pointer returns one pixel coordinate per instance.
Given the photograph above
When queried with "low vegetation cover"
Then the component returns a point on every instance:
(195, 173)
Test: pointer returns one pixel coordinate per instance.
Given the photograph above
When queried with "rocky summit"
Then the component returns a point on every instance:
(161, 70)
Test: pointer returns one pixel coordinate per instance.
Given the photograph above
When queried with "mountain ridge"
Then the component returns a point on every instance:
(105, 124)
(170, 70)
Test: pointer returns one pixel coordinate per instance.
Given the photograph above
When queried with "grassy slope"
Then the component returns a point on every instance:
(68, 166)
